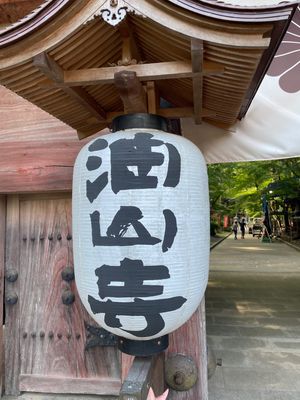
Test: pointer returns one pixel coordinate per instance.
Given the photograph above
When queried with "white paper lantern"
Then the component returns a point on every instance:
(140, 228)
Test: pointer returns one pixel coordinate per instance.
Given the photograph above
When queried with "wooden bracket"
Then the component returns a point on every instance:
(49, 67)
(144, 372)
(131, 92)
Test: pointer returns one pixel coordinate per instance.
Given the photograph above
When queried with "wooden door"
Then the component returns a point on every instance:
(45, 340)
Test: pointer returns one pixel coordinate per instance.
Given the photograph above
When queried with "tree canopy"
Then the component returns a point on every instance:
(239, 187)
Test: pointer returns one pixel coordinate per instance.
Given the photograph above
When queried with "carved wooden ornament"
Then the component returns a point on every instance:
(114, 11)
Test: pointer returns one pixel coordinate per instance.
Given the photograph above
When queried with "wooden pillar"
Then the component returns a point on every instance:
(190, 340)
(12, 315)
(2, 255)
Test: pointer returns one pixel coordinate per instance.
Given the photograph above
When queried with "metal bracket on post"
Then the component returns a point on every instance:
(97, 336)
(144, 372)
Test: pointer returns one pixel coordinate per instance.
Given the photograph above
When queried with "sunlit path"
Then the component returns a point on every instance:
(253, 320)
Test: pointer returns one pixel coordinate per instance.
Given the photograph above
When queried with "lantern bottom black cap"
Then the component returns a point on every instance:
(143, 348)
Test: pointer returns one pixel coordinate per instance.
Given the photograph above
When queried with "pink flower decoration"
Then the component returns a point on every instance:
(286, 63)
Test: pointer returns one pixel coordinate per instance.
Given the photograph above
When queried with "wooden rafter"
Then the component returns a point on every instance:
(55, 73)
(127, 82)
(197, 67)
(13, 10)
(235, 44)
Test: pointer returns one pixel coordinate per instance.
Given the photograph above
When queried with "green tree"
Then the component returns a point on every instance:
(238, 187)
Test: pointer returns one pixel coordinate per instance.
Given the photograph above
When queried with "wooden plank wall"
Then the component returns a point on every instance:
(12, 312)
(52, 351)
(37, 151)
(2, 254)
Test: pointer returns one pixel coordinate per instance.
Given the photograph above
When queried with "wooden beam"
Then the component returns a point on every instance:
(37, 166)
(144, 72)
(197, 67)
(131, 92)
(126, 52)
(175, 112)
(183, 112)
(151, 97)
(126, 32)
(106, 386)
(49, 67)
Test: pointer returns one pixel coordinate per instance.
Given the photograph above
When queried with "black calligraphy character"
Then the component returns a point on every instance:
(132, 273)
(149, 309)
(125, 218)
(173, 174)
(170, 231)
(94, 188)
(137, 153)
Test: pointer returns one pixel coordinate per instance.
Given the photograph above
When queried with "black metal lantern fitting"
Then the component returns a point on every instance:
(139, 120)
(143, 348)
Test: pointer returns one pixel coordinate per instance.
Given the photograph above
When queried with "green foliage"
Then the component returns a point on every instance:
(238, 187)
(213, 227)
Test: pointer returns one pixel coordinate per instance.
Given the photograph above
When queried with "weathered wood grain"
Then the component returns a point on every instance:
(37, 150)
(2, 257)
(12, 312)
(12, 10)
(131, 91)
(53, 335)
(144, 372)
(51, 69)
(190, 339)
(197, 51)
(126, 363)
(57, 384)
(37, 166)
(23, 121)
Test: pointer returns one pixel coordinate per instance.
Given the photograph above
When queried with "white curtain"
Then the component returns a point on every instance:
(271, 128)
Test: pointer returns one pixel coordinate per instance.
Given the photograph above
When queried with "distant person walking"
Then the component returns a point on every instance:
(243, 227)
(235, 228)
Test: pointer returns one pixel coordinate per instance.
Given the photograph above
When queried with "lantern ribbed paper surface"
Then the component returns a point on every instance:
(141, 231)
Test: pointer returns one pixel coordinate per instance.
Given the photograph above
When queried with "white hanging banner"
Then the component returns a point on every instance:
(271, 128)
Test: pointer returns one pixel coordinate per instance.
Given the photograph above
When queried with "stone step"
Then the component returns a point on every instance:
(222, 394)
